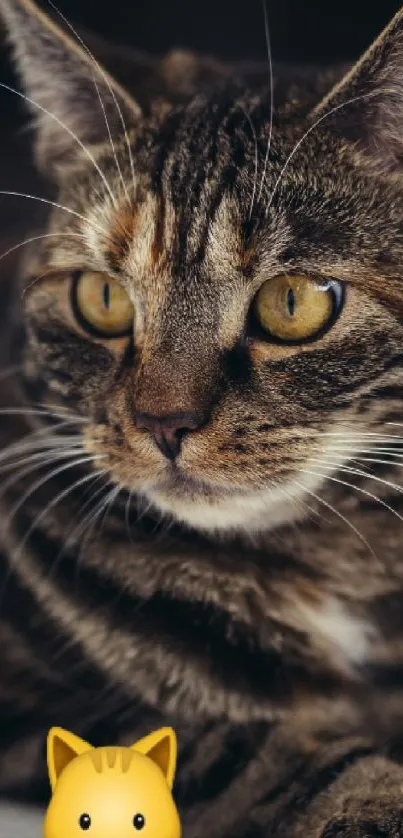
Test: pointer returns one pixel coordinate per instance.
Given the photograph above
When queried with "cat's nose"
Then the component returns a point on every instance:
(169, 431)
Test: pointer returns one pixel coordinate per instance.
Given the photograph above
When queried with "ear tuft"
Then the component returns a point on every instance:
(62, 748)
(366, 107)
(61, 78)
(161, 747)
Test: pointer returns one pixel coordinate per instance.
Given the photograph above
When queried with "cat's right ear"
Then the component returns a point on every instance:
(74, 100)
(62, 748)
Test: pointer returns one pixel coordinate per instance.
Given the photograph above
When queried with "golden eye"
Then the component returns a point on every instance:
(293, 308)
(101, 305)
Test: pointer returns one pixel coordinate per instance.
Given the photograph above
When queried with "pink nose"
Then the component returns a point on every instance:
(169, 431)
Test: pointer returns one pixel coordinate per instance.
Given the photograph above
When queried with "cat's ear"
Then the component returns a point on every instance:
(62, 748)
(368, 102)
(161, 747)
(70, 93)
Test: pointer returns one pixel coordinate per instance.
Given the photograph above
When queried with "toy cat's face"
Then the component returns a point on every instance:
(112, 791)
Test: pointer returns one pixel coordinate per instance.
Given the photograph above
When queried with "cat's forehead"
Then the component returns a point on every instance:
(115, 759)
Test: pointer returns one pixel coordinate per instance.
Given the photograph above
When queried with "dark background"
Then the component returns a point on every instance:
(300, 29)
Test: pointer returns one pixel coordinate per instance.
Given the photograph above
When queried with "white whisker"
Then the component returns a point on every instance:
(356, 488)
(69, 131)
(92, 224)
(111, 91)
(271, 87)
(339, 515)
(252, 128)
(37, 238)
(317, 122)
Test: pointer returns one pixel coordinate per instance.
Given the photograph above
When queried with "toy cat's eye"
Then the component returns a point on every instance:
(139, 821)
(101, 305)
(293, 308)
(84, 822)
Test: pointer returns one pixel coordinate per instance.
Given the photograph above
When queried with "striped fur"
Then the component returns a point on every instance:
(253, 601)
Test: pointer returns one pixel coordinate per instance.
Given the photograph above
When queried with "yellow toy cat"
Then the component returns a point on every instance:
(114, 791)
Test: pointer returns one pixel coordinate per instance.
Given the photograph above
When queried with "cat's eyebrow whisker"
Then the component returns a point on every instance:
(271, 87)
(317, 122)
(252, 128)
(339, 515)
(111, 91)
(96, 227)
(37, 238)
(69, 131)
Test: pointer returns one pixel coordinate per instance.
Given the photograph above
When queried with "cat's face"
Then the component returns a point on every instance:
(223, 317)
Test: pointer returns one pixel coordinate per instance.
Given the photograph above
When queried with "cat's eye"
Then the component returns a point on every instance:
(139, 821)
(84, 821)
(101, 305)
(293, 308)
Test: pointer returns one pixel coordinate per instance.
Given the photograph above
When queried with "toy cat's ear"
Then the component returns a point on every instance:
(161, 747)
(366, 106)
(62, 748)
(74, 101)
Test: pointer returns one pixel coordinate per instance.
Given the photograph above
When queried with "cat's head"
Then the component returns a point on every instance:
(108, 791)
(220, 287)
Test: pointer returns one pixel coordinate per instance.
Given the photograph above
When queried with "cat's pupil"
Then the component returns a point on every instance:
(107, 295)
(139, 821)
(291, 302)
(84, 821)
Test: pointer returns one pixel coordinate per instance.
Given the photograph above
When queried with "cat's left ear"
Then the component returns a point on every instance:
(161, 747)
(62, 748)
(70, 93)
(366, 107)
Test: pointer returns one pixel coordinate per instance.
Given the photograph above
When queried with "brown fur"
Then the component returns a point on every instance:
(251, 593)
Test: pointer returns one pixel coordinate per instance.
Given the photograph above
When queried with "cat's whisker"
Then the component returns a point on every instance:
(111, 91)
(96, 227)
(358, 472)
(252, 128)
(56, 500)
(37, 238)
(31, 411)
(35, 467)
(38, 440)
(358, 489)
(271, 87)
(339, 515)
(42, 457)
(127, 514)
(88, 458)
(371, 95)
(69, 131)
(82, 525)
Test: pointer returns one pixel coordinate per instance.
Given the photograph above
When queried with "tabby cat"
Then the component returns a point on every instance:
(201, 501)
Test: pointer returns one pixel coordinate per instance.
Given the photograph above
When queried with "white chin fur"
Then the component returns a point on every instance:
(261, 510)
(252, 512)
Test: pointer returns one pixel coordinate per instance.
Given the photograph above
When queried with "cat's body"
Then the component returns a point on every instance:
(262, 625)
